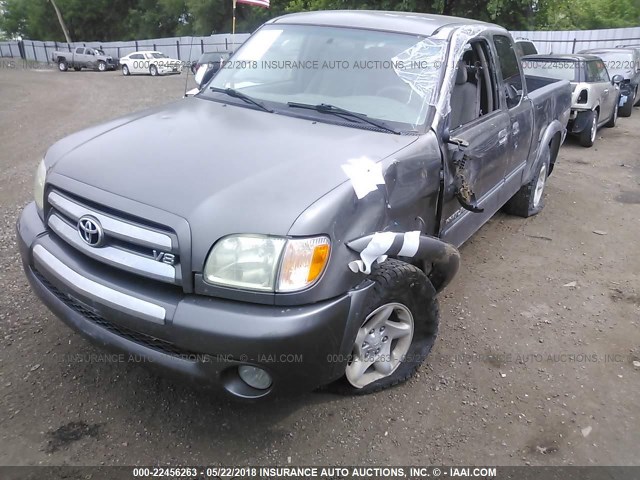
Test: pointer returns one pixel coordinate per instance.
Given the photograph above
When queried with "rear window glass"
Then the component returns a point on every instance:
(558, 69)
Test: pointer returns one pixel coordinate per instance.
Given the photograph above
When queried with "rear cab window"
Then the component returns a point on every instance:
(510, 69)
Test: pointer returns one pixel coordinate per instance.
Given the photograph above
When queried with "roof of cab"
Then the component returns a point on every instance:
(570, 57)
(597, 51)
(404, 22)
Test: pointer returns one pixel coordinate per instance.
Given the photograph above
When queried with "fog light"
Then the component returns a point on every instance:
(255, 377)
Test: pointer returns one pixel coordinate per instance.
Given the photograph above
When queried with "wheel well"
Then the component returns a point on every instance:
(554, 148)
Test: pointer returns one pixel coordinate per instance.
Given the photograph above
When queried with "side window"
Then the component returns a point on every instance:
(593, 75)
(603, 75)
(509, 69)
(80, 50)
(475, 90)
(137, 56)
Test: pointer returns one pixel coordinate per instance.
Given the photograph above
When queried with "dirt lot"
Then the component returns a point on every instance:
(527, 370)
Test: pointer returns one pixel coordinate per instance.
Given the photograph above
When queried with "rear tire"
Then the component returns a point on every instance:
(529, 200)
(398, 331)
(614, 115)
(62, 65)
(588, 136)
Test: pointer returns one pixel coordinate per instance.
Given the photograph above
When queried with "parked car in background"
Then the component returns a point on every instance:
(596, 97)
(149, 62)
(303, 238)
(83, 57)
(625, 62)
(525, 46)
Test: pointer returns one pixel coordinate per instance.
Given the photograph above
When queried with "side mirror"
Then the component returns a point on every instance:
(199, 76)
(617, 79)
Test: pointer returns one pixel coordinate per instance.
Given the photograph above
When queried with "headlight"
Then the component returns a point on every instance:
(257, 262)
(38, 185)
(247, 261)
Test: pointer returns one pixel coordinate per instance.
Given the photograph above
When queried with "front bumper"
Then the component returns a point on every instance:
(203, 339)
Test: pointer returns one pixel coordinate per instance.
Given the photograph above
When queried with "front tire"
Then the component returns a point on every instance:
(627, 108)
(529, 200)
(588, 135)
(398, 331)
(153, 70)
(125, 71)
(102, 66)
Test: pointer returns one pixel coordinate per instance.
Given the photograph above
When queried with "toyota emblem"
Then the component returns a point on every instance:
(91, 231)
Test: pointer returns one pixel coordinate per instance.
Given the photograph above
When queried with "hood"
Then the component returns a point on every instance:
(225, 169)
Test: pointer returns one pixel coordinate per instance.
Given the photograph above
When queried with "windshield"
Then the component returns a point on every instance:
(618, 63)
(159, 55)
(386, 76)
(558, 69)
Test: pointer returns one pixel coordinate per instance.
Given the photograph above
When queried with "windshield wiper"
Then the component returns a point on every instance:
(236, 94)
(328, 108)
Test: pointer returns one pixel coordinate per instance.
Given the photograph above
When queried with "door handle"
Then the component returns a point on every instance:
(503, 135)
(606, 90)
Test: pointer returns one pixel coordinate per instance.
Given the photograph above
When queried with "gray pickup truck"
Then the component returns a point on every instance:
(341, 159)
(83, 57)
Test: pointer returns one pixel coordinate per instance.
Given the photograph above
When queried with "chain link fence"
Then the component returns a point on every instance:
(186, 49)
(189, 49)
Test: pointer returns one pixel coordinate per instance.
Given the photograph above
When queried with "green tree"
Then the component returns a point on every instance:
(106, 20)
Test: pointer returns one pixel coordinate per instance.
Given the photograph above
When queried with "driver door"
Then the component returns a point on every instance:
(485, 135)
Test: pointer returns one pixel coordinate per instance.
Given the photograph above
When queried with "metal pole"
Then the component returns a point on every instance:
(233, 23)
(62, 25)
(233, 27)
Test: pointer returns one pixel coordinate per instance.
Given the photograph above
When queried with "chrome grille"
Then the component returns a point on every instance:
(129, 246)
(149, 341)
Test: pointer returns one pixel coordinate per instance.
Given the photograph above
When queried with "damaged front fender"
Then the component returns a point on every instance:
(441, 260)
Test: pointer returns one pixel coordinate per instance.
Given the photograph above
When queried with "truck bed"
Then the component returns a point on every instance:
(551, 100)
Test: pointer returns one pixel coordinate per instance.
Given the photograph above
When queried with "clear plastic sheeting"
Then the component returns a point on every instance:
(458, 42)
(419, 66)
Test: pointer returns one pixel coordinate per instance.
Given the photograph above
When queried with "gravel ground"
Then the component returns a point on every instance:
(534, 363)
